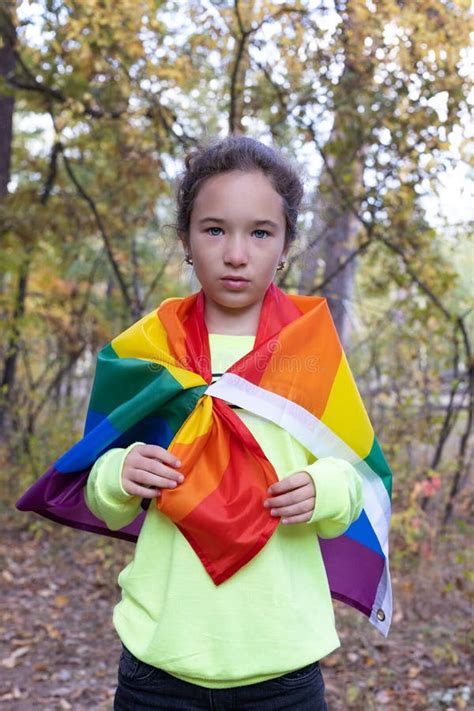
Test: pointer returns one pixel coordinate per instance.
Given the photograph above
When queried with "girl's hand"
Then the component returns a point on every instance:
(293, 497)
(149, 468)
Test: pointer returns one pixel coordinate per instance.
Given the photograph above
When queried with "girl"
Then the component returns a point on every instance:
(223, 398)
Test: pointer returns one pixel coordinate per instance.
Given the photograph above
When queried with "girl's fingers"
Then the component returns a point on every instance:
(303, 507)
(145, 478)
(289, 483)
(292, 497)
(157, 453)
(302, 518)
(145, 493)
(159, 469)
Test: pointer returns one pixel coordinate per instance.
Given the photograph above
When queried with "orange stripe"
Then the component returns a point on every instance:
(204, 460)
(306, 379)
(306, 303)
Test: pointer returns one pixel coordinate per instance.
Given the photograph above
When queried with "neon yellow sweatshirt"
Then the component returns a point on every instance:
(274, 615)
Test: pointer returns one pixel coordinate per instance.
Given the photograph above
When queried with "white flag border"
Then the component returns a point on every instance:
(322, 442)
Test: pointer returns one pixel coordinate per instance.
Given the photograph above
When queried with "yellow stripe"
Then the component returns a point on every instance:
(198, 423)
(345, 412)
(146, 339)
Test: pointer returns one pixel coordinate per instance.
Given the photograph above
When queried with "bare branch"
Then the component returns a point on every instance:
(105, 237)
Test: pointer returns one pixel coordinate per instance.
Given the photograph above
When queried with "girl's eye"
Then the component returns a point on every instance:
(215, 231)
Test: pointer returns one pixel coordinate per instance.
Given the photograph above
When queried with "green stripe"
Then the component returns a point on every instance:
(164, 390)
(129, 389)
(118, 380)
(176, 411)
(377, 462)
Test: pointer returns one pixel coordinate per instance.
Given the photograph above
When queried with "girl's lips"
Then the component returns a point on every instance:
(234, 283)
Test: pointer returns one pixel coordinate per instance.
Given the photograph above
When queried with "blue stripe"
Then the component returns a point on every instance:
(84, 453)
(152, 430)
(93, 419)
(362, 532)
(102, 436)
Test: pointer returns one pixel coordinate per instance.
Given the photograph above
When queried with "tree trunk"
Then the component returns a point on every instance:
(336, 226)
(13, 346)
(333, 238)
(7, 66)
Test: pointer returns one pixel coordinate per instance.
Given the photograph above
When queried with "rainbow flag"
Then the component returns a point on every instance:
(152, 384)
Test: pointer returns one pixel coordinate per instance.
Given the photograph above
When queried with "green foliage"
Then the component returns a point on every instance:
(107, 99)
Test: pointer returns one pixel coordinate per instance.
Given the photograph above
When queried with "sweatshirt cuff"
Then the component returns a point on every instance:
(334, 482)
(111, 479)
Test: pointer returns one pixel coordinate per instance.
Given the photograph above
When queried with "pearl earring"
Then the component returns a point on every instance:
(280, 266)
(188, 259)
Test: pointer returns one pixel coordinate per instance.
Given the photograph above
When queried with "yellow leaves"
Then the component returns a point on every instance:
(46, 277)
(352, 693)
(95, 33)
(52, 631)
(76, 107)
(61, 600)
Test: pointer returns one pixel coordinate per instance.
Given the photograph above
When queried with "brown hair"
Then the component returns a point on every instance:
(236, 152)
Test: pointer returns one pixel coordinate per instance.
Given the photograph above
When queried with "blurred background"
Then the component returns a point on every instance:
(99, 101)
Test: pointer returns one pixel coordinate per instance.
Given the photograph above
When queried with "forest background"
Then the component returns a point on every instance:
(99, 100)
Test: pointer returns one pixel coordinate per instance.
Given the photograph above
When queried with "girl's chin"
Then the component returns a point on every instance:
(235, 300)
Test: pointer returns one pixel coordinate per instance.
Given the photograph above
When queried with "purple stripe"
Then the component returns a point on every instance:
(353, 570)
(60, 497)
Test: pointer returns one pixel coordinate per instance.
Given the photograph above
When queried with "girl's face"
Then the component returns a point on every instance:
(236, 240)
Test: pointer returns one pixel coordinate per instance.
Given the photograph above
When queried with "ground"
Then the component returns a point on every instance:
(60, 651)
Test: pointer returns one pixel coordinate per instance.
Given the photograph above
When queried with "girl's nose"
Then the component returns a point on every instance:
(236, 251)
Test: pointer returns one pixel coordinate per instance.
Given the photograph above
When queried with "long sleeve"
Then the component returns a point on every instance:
(339, 495)
(105, 495)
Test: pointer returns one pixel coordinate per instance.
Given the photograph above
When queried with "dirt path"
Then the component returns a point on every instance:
(60, 651)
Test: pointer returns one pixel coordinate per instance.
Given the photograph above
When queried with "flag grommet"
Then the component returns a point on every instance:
(380, 615)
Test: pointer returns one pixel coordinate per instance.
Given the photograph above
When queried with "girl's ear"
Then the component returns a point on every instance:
(184, 242)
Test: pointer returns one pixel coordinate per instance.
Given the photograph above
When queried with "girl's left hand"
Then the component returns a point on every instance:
(293, 498)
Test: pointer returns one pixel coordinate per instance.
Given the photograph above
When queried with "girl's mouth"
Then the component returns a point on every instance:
(234, 283)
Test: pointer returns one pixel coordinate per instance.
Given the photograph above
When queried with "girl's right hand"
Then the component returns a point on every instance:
(147, 469)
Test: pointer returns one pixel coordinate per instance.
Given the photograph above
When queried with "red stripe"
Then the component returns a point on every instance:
(231, 525)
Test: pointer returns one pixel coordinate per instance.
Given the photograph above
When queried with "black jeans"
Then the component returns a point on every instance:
(142, 687)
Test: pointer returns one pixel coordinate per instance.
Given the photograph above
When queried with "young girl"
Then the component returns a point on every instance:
(245, 422)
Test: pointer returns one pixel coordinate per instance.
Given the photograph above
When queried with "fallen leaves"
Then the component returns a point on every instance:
(11, 661)
(51, 610)
(12, 695)
(58, 593)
